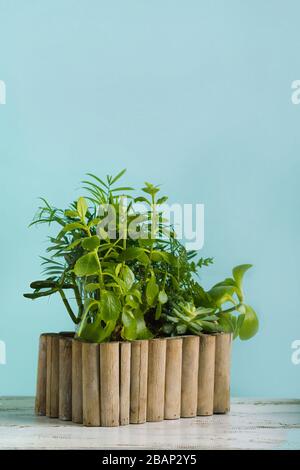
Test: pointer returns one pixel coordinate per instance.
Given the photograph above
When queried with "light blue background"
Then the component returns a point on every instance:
(195, 95)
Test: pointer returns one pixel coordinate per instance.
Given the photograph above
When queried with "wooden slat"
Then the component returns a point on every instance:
(52, 388)
(189, 378)
(156, 379)
(206, 375)
(40, 399)
(173, 378)
(109, 384)
(222, 373)
(90, 384)
(65, 378)
(77, 381)
(138, 381)
(125, 357)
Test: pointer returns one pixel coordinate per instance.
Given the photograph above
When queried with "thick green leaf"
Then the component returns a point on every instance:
(127, 276)
(221, 294)
(151, 290)
(95, 333)
(239, 271)
(129, 330)
(239, 322)
(82, 207)
(226, 323)
(250, 324)
(238, 275)
(210, 327)
(142, 332)
(86, 265)
(91, 243)
(110, 306)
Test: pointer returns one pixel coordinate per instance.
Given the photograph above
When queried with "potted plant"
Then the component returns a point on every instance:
(149, 342)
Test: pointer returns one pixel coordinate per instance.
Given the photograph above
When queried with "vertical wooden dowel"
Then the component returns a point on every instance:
(52, 389)
(138, 381)
(173, 378)
(125, 355)
(109, 384)
(156, 379)
(90, 384)
(76, 381)
(206, 375)
(65, 378)
(40, 398)
(189, 377)
(222, 373)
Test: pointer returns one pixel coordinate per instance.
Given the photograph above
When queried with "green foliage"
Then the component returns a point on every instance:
(132, 287)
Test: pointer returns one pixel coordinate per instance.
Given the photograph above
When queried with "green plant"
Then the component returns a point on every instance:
(132, 279)
(210, 316)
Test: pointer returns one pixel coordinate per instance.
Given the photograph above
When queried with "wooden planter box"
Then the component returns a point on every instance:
(118, 383)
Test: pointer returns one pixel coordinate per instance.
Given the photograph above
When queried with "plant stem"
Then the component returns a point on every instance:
(231, 309)
(67, 305)
(77, 296)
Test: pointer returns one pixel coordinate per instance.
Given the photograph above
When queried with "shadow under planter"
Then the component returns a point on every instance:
(118, 383)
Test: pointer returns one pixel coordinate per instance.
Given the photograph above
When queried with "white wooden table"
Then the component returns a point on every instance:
(251, 424)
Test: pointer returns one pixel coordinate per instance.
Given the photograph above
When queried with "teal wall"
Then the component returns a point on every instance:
(194, 95)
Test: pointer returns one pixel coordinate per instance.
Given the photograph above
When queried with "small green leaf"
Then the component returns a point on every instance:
(162, 297)
(119, 175)
(250, 324)
(161, 200)
(86, 265)
(71, 214)
(131, 301)
(137, 294)
(82, 207)
(142, 199)
(91, 287)
(135, 253)
(91, 243)
(73, 226)
(150, 189)
(73, 245)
